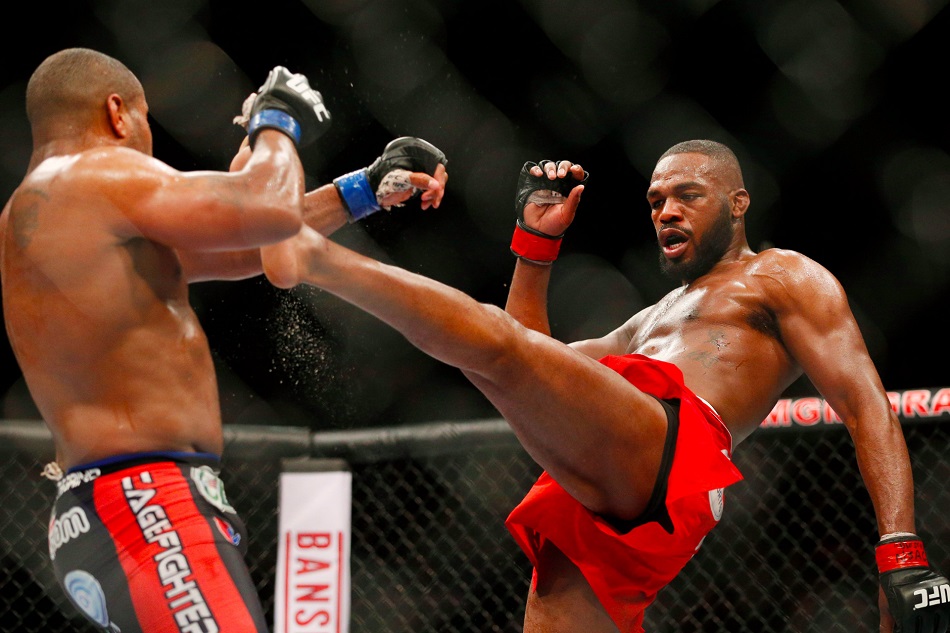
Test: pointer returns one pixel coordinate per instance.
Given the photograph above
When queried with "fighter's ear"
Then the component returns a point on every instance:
(118, 116)
(740, 202)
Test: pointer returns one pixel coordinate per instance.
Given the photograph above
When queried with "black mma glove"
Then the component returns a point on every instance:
(363, 189)
(286, 102)
(917, 596)
(528, 243)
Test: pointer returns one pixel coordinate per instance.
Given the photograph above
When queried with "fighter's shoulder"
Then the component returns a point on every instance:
(783, 262)
(102, 167)
(790, 272)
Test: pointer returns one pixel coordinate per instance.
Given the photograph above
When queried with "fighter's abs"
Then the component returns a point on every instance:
(729, 351)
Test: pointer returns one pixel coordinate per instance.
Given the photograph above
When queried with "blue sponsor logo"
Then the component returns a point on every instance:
(86, 592)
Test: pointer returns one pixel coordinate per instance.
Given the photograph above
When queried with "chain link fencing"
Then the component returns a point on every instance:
(794, 551)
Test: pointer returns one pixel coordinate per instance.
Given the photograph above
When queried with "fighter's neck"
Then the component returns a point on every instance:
(66, 146)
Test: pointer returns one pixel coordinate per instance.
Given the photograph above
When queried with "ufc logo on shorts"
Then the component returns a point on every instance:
(298, 83)
(932, 597)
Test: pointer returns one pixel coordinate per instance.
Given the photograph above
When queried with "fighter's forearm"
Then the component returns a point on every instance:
(323, 209)
(885, 467)
(528, 296)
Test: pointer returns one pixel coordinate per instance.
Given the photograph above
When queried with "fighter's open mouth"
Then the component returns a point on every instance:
(673, 242)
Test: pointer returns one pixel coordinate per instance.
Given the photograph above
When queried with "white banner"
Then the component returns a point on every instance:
(312, 592)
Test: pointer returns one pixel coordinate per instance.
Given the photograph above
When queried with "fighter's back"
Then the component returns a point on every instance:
(99, 319)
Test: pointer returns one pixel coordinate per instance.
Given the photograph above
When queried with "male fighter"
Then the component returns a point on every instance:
(97, 246)
(635, 430)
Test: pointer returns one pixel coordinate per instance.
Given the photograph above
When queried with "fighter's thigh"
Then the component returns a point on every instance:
(540, 377)
(598, 435)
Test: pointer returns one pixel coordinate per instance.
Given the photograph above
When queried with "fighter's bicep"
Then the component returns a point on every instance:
(145, 197)
(190, 210)
(820, 332)
(197, 210)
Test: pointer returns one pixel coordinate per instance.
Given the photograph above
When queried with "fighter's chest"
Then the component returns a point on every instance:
(688, 311)
(677, 309)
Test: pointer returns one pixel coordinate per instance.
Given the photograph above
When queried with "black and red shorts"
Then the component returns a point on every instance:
(148, 543)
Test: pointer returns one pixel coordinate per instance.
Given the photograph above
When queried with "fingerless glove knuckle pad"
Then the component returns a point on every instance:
(363, 189)
(287, 103)
(408, 153)
(529, 184)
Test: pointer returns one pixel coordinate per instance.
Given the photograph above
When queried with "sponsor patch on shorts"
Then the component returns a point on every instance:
(228, 531)
(69, 525)
(86, 592)
(211, 487)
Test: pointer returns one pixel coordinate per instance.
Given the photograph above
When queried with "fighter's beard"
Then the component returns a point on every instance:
(709, 251)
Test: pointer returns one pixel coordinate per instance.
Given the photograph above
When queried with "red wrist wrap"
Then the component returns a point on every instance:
(899, 555)
(535, 248)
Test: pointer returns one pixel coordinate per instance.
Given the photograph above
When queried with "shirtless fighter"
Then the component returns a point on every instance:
(635, 430)
(97, 247)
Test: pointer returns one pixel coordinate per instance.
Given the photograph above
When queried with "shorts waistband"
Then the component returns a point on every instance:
(118, 462)
(85, 473)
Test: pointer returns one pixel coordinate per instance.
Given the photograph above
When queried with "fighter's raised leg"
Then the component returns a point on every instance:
(597, 435)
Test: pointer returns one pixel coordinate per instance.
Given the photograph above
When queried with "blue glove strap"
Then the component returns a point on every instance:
(275, 119)
(358, 196)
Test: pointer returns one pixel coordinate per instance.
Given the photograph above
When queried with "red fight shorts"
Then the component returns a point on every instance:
(626, 570)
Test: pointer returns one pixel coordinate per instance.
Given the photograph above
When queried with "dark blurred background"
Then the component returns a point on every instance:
(835, 108)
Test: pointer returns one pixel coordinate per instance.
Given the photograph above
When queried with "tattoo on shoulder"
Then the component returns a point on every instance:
(26, 218)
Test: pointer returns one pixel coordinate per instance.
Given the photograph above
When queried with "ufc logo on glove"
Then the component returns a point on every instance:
(917, 596)
(300, 84)
(937, 595)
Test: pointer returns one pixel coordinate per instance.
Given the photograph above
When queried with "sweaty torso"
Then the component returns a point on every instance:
(721, 332)
(100, 323)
